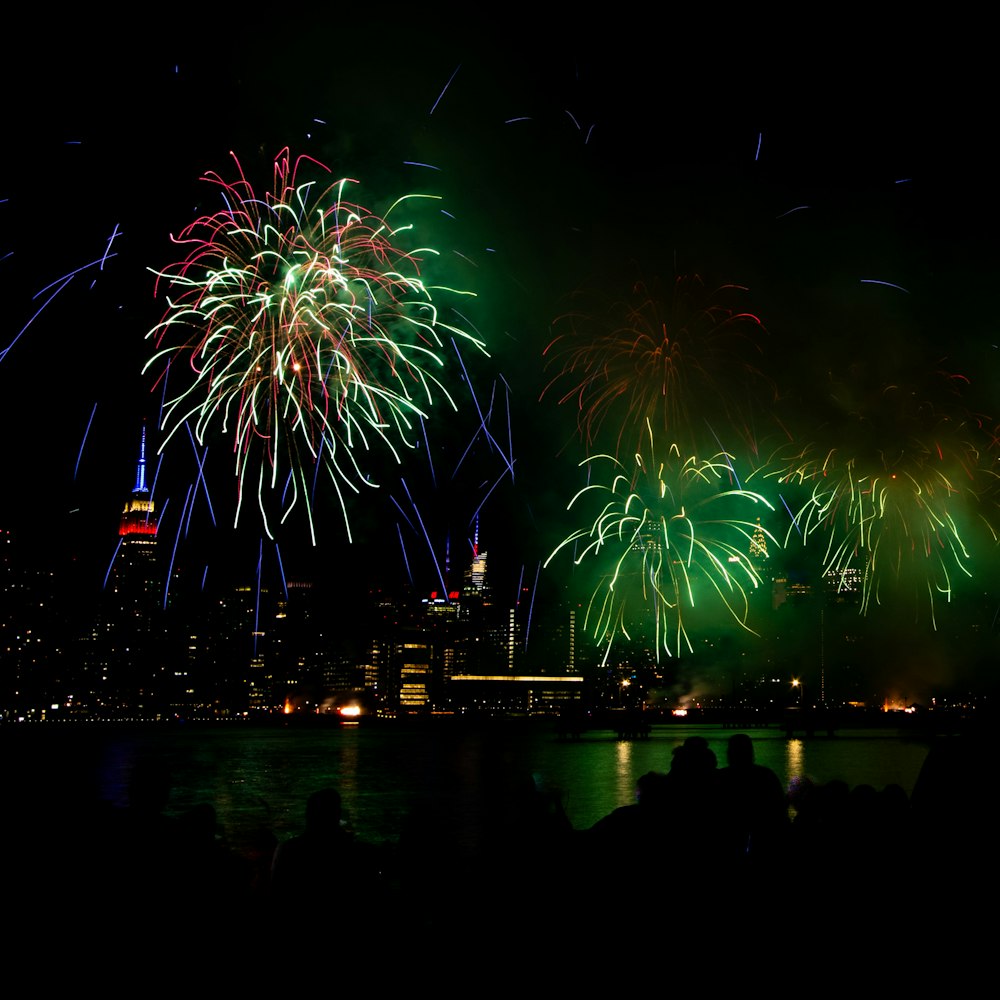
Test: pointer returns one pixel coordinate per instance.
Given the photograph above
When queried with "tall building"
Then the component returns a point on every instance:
(758, 544)
(134, 576)
(127, 657)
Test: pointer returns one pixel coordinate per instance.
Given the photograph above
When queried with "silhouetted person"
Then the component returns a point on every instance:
(640, 826)
(209, 872)
(754, 811)
(624, 856)
(694, 807)
(317, 864)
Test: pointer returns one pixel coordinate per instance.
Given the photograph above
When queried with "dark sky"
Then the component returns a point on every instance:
(802, 160)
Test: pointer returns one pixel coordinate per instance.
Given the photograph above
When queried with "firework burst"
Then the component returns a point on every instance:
(668, 541)
(299, 323)
(899, 496)
(680, 364)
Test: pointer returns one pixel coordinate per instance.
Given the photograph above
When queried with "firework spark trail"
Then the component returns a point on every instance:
(531, 605)
(728, 458)
(306, 332)
(446, 86)
(406, 561)
(493, 399)
(315, 479)
(190, 509)
(156, 476)
(163, 396)
(114, 555)
(200, 460)
(281, 570)
(483, 420)
(482, 428)
(107, 252)
(468, 260)
(510, 433)
(405, 516)
(430, 460)
(888, 284)
(256, 613)
(173, 553)
(427, 538)
(65, 279)
(465, 454)
(79, 454)
(794, 521)
(41, 309)
(489, 492)
(163, 511)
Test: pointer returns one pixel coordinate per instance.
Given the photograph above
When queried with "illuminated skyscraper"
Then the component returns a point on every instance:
(758, 544)
(133, 574)
(127, 648)
(138, 522)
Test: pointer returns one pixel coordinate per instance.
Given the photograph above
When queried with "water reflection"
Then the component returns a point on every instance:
(795, 760)
(262, 778)
(624, 772)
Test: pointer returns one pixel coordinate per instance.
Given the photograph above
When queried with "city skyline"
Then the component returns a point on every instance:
(236, 645)
(852, 216)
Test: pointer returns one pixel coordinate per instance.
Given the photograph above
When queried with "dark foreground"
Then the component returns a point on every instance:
(707, 854)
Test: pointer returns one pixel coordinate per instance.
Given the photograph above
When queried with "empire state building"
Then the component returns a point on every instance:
(138, 523)
(129, 630)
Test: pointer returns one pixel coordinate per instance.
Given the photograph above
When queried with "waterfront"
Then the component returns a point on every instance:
(259, 778)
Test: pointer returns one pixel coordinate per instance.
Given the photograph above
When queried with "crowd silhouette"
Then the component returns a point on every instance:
(698, 837)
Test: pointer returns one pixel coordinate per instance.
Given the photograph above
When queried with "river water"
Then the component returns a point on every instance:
(260, 778)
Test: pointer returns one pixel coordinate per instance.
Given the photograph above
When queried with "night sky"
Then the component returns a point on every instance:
(841, 174)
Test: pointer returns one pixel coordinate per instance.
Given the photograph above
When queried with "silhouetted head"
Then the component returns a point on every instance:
(695, 757)
(739, 750)
(651, 789)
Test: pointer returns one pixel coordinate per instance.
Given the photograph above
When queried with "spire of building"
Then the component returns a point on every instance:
(140, 472)
(475, 574)
(138, 517)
